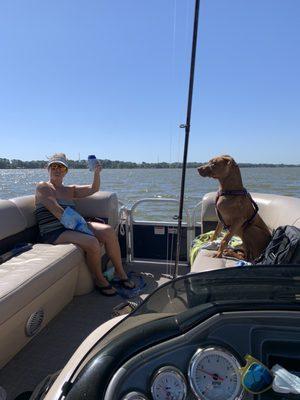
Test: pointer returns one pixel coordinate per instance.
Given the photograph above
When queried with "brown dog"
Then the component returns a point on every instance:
(236, 210)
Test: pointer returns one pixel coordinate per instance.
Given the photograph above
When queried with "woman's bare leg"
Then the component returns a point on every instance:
(91, 246)
(106, 235)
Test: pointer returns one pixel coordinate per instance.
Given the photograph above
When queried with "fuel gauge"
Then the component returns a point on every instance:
(134, 396)
(168, 384)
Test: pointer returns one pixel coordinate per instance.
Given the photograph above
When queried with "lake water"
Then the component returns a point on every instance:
(134, 184)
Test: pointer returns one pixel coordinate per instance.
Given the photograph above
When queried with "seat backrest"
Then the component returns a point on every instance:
(274, 209)
(12, 224)
(18, 222)
(26, 205)
(101, 204)
(278, 210)
(12, 220)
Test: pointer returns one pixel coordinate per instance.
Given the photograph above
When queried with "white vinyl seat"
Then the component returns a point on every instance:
(45, 278)
(26, 276)
(275, 210)
(206, 262)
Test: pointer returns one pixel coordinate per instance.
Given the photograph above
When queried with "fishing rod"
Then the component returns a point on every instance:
(187, 126)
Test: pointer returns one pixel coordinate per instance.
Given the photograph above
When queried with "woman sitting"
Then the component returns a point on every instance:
(59, 222)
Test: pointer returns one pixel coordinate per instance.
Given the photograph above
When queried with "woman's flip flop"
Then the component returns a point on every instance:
(127, 283)
(105, 290)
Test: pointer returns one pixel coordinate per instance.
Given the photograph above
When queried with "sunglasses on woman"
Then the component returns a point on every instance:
(256, 377)
(58, 166)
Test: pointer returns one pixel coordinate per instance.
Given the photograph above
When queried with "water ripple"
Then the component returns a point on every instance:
(132, 185)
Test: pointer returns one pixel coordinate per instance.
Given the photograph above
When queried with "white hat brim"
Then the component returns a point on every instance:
(57, 162)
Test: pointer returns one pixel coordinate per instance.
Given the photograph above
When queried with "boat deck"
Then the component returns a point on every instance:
(53, 346)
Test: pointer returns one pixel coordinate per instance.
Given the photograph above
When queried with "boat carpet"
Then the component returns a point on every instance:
(53, 346)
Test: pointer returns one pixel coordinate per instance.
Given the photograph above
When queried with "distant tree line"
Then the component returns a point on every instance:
(82, 164)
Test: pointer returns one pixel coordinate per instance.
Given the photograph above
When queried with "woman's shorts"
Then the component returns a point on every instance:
(51, 237)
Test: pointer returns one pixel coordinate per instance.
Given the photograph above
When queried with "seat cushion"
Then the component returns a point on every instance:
(26, 276)
(205, 262)
(12, 220)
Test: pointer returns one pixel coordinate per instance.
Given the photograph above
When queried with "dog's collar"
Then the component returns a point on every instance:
(243, 192)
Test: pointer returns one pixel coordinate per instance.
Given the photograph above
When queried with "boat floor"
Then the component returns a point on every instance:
(53, 346)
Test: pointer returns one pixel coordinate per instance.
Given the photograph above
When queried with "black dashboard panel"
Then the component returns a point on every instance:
(270, 336)
(279, 346)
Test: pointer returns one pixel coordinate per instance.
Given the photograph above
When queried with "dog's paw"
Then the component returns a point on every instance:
(218, 254)
(234, 253)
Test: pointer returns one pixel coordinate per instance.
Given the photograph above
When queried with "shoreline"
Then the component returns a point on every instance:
(241, 166)
(107, 164)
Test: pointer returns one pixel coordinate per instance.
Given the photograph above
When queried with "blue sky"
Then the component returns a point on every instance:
(110, 77)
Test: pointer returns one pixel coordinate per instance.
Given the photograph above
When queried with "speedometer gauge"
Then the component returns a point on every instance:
(214, 375)
(168, 384)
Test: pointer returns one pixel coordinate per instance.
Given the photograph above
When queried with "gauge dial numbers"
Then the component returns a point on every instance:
(134, 396)
(168, 384)
(214, 375)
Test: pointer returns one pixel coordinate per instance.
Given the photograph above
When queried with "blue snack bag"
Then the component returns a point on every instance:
(73, 220)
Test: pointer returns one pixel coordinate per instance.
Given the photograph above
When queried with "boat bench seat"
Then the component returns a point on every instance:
(274, 209)
(36, 284)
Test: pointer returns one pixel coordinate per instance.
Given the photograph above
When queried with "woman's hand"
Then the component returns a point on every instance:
(98, 168)
(88, 190)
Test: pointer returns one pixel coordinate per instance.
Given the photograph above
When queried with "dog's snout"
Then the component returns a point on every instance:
(200, 170)
(203, 170)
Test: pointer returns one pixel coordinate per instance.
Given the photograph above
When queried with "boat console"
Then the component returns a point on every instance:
(189, 339)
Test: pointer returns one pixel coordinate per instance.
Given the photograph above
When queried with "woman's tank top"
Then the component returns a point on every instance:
(47, 222)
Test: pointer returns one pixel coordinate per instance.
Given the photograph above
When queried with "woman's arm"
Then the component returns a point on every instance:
(88, 190)
(44, 195)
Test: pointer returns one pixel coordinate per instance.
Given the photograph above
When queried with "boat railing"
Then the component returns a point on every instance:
(196, 223)
(161, 227)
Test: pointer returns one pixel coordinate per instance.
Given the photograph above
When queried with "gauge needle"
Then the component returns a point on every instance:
(214, 376)
(206, 388)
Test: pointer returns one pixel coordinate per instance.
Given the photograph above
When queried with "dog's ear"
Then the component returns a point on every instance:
(230, 160)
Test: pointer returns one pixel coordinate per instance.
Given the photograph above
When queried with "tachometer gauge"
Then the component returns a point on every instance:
(168, 384)
(134, 396)
(214, 375)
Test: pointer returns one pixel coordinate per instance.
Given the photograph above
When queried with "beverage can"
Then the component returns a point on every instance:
(109, 273)
(92, 161)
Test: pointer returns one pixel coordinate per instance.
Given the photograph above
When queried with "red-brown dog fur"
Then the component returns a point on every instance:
(235, 209)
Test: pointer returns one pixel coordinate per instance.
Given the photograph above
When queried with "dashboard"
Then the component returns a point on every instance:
(204, 362)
